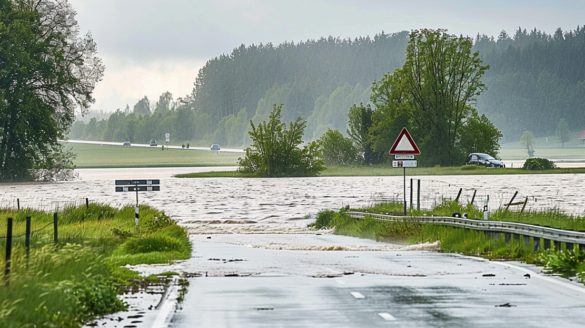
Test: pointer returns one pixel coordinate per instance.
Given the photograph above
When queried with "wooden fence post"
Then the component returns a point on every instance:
(27, 236)
(55, 228)
(8, 250)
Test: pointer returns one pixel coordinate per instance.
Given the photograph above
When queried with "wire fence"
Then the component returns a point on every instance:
(435, 192)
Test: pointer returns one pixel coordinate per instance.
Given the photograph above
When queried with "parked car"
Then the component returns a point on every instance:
(127, 143)
(484, 159)
(215, 147)
(153, 143)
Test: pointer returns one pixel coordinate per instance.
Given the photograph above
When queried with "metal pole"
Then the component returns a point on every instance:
(411, 193)
(18, 204)
(137, 212)
(8, 249)
(404, 175)
(87, 203)
(418, 196)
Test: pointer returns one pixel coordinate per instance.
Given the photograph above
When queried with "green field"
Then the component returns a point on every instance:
(550, 153)
(94, 156)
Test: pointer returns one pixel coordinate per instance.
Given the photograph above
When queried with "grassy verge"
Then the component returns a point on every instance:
(567, 262)
(70, 283)
(96, 156)
(386, 170)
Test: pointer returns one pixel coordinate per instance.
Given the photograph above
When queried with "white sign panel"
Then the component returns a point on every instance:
(167, 137)
(405, 163)
(403, 156)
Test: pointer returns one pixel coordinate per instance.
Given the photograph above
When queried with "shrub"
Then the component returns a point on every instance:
(324, 219)
(536, 164)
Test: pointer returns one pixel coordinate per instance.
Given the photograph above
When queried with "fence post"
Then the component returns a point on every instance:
(418, 196)
(411, 193)
(18, 204)
(458, 195)
(87, 203)
(8, 250)
(511, 200)
(55, 227)
(27, 235)
(473, 197)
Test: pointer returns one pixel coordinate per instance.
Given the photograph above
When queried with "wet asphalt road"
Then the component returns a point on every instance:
(256, 287)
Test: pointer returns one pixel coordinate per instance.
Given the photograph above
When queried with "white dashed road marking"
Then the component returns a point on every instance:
(387, 316)
(357, 295)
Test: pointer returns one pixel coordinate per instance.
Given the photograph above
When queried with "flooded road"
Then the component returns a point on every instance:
(255, 263)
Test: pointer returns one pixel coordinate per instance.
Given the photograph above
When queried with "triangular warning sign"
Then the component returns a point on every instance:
(404, 144)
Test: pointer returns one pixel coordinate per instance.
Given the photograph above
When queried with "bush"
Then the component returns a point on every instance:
(324, 219)
(537, 164)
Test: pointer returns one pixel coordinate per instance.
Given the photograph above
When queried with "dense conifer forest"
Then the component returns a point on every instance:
(535, 79)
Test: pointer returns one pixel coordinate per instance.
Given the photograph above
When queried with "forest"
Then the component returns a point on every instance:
(534, 81)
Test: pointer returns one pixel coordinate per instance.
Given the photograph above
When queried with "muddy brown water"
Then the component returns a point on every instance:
(285, 205)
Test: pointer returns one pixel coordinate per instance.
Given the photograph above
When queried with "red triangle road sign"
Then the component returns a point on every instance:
(404, 144)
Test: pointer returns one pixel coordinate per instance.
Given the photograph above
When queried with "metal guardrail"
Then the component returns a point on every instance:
(559, 235)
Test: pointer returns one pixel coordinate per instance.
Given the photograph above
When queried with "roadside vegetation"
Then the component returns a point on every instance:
(70, 283)
(388, 170)
(566, 262)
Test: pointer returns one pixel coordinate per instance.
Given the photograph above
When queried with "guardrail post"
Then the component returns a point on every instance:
(546, 243)
(526, 240)
(581, 247)
(507, 237)
(86, 203)
(473, 197)
(55, 227)
(557, 245)
(536, 244)
(18, 204)
(498, 236)
(27, 236)
(569, 246)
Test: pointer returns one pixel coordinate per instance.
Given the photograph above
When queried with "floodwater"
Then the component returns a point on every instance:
(287, 205)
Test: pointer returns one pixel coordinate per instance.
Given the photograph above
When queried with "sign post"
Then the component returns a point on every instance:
(137, 185)
(404, 149)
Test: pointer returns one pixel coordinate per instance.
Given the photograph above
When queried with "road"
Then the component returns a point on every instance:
(277, 281)
(121, 144)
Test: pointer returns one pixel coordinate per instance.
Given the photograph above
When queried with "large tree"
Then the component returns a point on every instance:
(276, 151)
(360, 122)
(46, 71)
(436, 89)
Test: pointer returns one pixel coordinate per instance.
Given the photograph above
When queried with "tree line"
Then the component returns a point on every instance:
(534, 80)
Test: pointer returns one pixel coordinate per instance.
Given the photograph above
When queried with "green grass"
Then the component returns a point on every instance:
(387, 170)
(566, 262)
(69, 283)
(96, 156)
(574, 152)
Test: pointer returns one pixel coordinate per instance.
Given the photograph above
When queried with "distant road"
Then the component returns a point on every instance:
(121, 144)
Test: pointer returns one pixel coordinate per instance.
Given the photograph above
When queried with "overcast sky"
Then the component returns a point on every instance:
(153, 46)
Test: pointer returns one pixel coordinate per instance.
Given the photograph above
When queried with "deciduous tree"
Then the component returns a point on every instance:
(276, 151)
(46, 70)
(435, 88)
